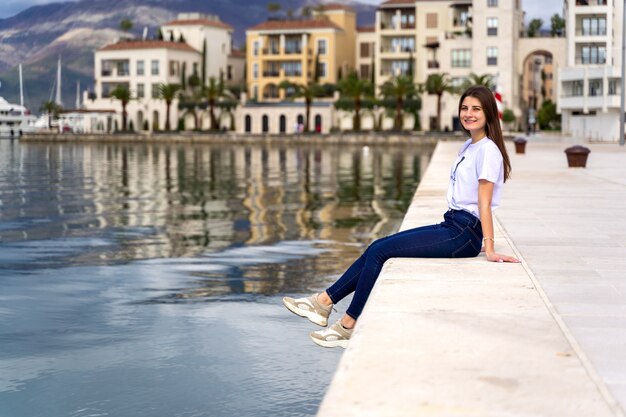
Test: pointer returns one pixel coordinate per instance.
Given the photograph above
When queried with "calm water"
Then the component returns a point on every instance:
(145, 280)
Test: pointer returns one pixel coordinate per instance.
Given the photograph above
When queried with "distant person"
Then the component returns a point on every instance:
(476, 179)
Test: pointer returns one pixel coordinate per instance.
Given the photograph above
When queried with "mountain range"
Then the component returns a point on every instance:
(37, 36)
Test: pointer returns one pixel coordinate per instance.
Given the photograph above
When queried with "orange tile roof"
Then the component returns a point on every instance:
(336, 6)
(366, 29)
(147, 44)
(237, 54)
(200, 22)
(392, 2)
(296, 24)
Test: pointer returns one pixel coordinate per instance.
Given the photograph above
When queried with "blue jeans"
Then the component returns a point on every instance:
(459, 236)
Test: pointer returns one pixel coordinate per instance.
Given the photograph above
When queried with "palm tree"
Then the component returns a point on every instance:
(398, 88)
(438, 84)
(122, 93)
(308, 92)
(52, 109)
(475, 79)
(168, 92)
(355, 88)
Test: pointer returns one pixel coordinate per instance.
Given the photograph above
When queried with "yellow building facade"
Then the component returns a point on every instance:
(320, 49)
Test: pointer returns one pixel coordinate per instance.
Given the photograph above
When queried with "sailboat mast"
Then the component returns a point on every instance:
(78, 95)
(57, 99)
(21, 87)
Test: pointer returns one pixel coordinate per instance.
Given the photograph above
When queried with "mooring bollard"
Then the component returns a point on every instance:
(577, 156)
(520, 144)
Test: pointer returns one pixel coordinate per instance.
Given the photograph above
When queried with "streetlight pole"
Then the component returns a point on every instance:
(623, 80)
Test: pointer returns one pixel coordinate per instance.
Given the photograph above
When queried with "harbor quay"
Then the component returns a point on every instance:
(466, 337)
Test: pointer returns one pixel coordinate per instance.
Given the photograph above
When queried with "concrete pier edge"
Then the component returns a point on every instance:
(377, 373)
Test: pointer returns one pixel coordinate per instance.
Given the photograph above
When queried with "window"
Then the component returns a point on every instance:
(407, 21)
(122, 68)
(292, 68)
(321, 69)
(593, 26)
(255, 71)
(173, 68)
(492, 3)
(154, 67)
(492, 26)
(321, 46)
(255, 48)
(365, 71)
(293, 45)
(229, 72)
(255, 92)
(595, 87)
(431, 20)
(492, 55)
(140, 68)
(365, 49)
(399, 68)
(141, 93)
(461, 58)
(155, 90)
(107, 68)
(403, 44)
(593, 54)
(613, 84)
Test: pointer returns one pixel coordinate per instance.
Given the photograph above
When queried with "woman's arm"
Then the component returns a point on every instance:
(485, 192)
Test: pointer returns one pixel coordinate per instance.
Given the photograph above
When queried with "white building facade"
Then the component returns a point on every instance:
(140, 66)
(589, 89)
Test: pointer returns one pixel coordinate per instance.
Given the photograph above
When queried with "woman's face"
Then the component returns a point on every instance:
(472, 115)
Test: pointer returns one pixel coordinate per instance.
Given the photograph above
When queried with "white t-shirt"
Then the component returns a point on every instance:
(479, 161)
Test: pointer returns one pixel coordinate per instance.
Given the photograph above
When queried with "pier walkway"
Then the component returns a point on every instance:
(467, 337)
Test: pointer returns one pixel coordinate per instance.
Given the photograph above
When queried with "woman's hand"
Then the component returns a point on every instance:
(496, 257)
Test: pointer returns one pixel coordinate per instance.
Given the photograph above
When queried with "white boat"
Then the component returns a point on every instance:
(15, 120)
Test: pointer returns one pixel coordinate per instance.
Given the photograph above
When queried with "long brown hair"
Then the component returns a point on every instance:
(492, 126)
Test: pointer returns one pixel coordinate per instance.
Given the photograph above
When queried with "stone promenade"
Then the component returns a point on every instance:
(467, 337)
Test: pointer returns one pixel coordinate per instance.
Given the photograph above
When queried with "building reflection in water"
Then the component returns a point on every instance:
(200, 201)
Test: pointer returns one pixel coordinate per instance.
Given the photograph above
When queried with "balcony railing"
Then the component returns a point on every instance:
(590, 60)
(271, 73)
(271, 51)
(591, 32)
(433, 64)
(591, 2)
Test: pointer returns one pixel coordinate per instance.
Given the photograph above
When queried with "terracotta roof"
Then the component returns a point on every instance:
(398, 2)
(147, 44)
(296, 24)
(237, 54)
(336, 6)
(200, 22)
(366, 29)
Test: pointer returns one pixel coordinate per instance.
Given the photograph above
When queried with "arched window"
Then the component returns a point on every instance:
(318, 123)
(155, 120)
(283, 123)
(248, 123)
(265, 123)
(300, 119)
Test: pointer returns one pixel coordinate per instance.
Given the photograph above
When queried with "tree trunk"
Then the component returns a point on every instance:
(123, 117)
(212, 114)
(167, 115)
(439, 112)
(307, 114)
(357, 114)
(398, 122)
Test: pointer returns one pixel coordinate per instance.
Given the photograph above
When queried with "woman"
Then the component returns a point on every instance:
(476, 179)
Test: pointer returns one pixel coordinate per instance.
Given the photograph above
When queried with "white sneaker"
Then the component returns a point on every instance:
(335, 336)
(310, 308)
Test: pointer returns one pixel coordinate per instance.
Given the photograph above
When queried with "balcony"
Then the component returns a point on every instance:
(271, 73)
(591, 2)
(432, 64)
(271, 51)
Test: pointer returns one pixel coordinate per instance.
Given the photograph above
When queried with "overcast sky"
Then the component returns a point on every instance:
(542, 9)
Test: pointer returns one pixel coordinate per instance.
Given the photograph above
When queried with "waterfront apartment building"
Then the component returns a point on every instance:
(141, 66)
(211, 37)
(455, 37)
(589, 96)
(319, 48)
